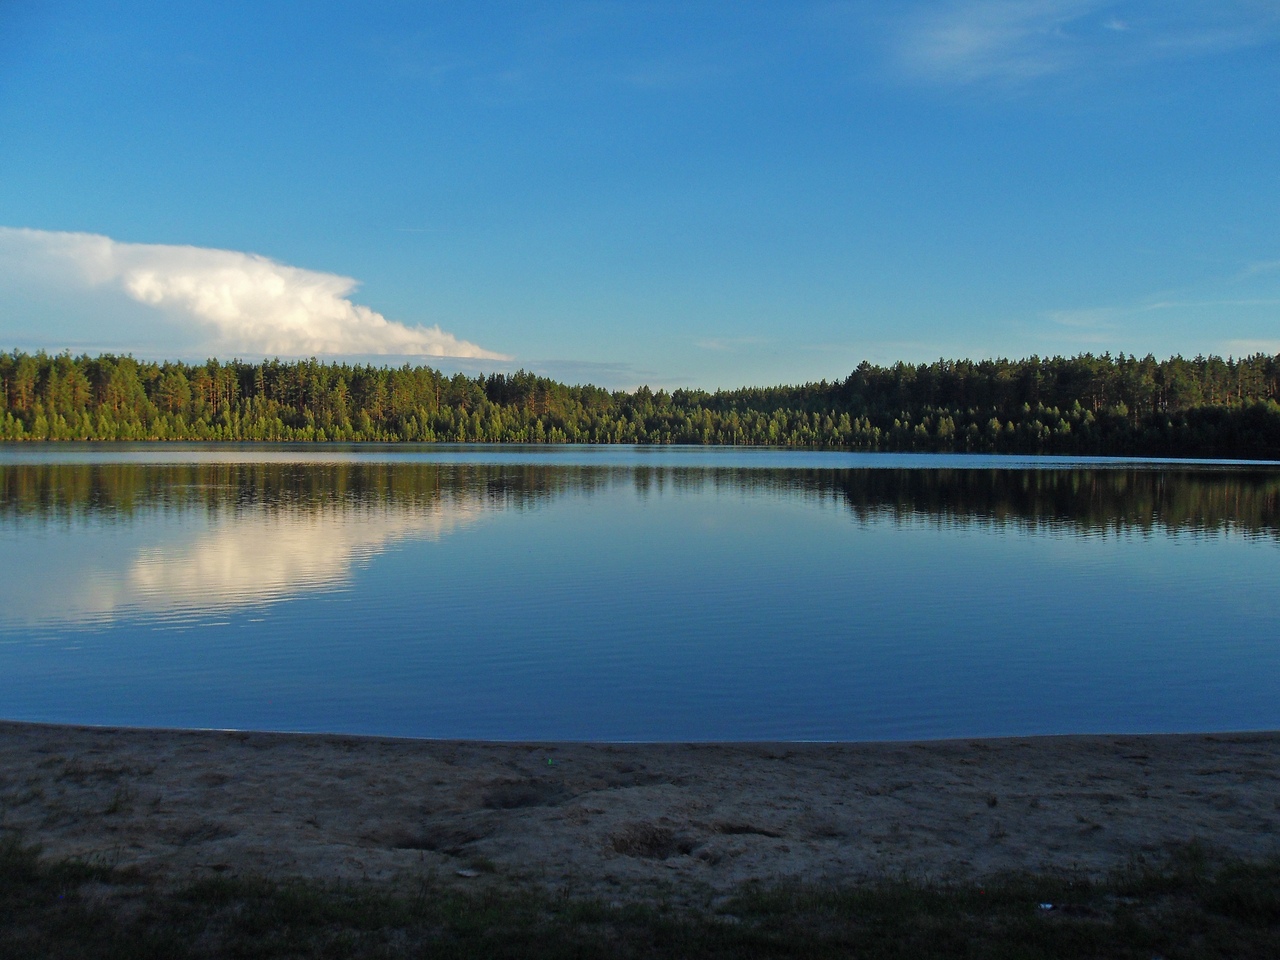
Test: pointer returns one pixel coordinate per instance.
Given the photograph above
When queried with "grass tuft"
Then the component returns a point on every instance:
(1191, 905)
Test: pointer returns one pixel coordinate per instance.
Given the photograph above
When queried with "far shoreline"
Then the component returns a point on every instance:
(525, 446)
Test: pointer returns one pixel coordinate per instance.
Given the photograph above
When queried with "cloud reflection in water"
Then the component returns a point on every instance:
(236, 560)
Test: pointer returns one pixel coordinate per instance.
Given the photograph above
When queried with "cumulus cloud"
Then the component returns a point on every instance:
(241, 302)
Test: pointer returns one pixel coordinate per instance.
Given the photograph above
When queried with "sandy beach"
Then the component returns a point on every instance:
(624, 820)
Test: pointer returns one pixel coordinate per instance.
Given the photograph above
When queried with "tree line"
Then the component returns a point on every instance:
(1082, 405)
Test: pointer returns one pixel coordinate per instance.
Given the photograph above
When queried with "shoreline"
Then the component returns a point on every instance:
(624, 820)
(1016, 460)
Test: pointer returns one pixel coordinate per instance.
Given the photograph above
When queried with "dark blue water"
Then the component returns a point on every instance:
(622, 594)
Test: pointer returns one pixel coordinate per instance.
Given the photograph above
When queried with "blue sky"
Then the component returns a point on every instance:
(708, 194)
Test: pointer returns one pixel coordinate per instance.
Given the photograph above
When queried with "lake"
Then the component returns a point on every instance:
(619, 593)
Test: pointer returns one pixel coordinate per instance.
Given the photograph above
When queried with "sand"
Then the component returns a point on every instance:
(626, 820)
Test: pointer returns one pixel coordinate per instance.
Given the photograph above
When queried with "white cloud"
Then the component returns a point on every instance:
(1017, 41)
(240, 302)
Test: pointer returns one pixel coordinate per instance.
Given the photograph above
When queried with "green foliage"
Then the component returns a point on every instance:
(1084, 405)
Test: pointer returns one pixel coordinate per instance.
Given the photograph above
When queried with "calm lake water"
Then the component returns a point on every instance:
(613, 593)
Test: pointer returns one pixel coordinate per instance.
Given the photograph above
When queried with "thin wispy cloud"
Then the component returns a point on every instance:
(612, 375)
(1259, 268)
(558, 51)
(729, 344)
(1234, 302)
(676, 74)
(1247, 348)
(1002, 39)
(1118, 326)
(1087, 327)
(232, 301)
(1105, 318)
(1014, 42)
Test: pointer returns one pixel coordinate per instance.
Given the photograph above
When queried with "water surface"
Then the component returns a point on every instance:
(635, 593)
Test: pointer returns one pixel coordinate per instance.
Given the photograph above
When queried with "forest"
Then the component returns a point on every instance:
(1082, 405)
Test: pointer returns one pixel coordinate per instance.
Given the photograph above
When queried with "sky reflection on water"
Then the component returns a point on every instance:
(441, 592)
